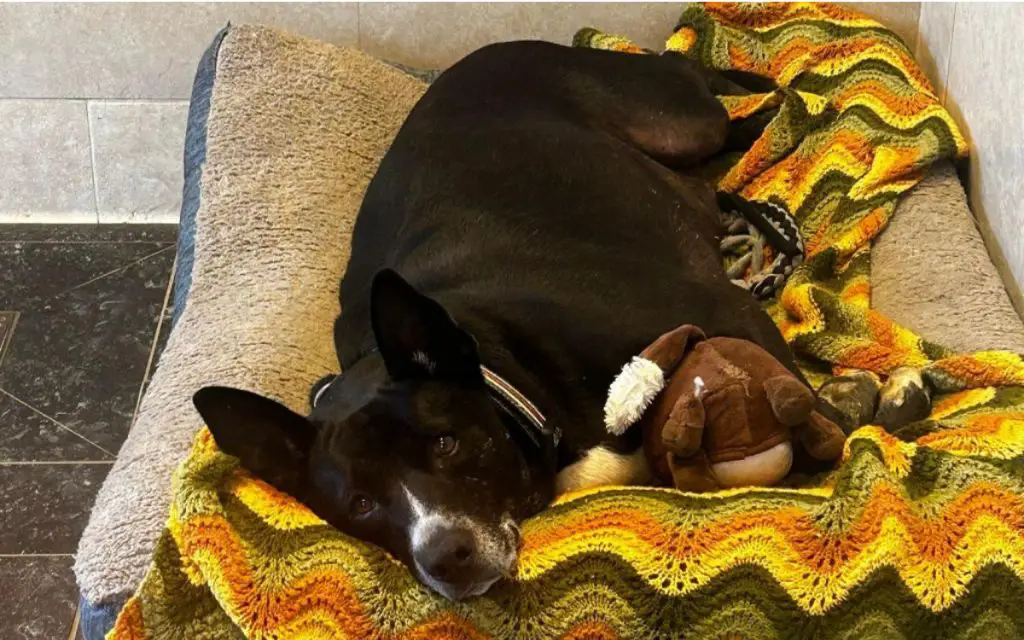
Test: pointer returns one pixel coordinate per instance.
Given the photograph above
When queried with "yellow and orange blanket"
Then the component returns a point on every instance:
(919, 533)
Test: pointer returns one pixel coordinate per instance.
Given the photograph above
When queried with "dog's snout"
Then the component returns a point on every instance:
(450, 556)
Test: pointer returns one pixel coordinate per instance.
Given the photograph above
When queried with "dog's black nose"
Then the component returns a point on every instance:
(451, 556)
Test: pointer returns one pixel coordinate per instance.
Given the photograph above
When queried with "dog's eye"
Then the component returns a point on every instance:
(445, 446)
(360, 506)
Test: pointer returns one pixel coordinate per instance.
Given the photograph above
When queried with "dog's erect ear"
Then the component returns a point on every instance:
(270, 440)
(417, 338)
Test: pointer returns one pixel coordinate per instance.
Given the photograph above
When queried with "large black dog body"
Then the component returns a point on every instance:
(530, 205)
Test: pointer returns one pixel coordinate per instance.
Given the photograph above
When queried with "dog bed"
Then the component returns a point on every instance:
(283, 136)
(284, 133)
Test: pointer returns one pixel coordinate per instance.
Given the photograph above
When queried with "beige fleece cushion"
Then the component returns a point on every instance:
(296, 129)
(931, 272)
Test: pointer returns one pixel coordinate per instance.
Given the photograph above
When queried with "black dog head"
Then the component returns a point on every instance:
(406, 449)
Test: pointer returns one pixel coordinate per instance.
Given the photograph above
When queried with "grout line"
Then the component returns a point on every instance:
(140, 218)
(127, 101)
(47, 218)
(74, 623)
(6, 340)
(92, 161)
(131, 102)
(113, 271)
(62, 242)
(13, 218)
(53, 420)
(917, 35)
(29, 463)
(949, 59)
(156, 339)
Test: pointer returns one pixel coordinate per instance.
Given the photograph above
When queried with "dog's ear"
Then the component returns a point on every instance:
(417, 338)
(269, 439)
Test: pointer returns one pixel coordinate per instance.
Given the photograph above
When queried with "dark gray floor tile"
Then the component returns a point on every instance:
(44, 507)
(57, 233)
(33, 274)
(80, 355)
(39, 596)
(27, 435)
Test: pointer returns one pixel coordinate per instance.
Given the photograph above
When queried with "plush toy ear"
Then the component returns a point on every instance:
(643, 378)
(416, 337)
(669, 350)
(269, 439)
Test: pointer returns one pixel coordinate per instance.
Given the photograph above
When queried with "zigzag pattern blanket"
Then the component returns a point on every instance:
(919, 533)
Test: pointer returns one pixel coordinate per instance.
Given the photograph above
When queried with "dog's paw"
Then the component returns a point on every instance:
(904, 398)
(850, 400)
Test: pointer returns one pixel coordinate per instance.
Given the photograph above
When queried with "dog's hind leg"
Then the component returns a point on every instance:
(663, 105)
(904, 398)
(857, 399)
(850, 400)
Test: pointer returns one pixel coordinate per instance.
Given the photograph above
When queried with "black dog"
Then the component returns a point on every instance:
(536, 207)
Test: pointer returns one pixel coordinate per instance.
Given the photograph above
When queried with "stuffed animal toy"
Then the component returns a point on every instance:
(717, 413)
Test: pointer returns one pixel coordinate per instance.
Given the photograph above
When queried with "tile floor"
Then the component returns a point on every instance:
(84, 312)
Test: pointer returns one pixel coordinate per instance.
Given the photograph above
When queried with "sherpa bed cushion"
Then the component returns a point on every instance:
(284, 134)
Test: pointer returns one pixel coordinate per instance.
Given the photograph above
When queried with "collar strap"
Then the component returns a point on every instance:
(519, 406)
(510, 400)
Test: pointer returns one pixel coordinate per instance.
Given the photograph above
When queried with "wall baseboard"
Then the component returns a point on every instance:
(88, 217)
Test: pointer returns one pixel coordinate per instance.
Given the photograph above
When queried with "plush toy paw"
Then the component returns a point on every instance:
(790, 399)
(692, 473)
(821, 437)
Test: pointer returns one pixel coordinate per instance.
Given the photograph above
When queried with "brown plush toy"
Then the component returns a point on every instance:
(717, 412)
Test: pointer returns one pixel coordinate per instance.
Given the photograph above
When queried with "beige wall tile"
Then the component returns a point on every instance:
(985, 92)
(124, 50)
(934, 40)
(901, 17)
(149, 50)
(46, 166)
(436, 35)
(137, 150)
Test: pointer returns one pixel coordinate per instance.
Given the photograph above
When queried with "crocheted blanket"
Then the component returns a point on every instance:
(919, 533)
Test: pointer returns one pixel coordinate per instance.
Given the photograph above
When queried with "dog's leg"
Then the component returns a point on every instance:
(850, 400)
(905, 397)
(857, 399)
(662, 104)
(744, 132)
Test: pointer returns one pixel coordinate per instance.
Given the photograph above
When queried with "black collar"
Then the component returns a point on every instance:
(513, 403)
(526, 414)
